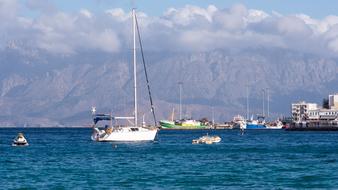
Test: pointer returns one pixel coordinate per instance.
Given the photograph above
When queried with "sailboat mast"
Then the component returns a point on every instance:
(180, 86)
(247, 102)
(213, 116)
(134, 64)
(268, 101)
(263, 90)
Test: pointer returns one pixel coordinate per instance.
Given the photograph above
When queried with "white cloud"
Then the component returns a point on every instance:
(333, 45)
(106, 41)
(189, 28)
(188, 14)
(256, 16)
(293, 26)
(86, 13)
(118, 14)
(232, 19)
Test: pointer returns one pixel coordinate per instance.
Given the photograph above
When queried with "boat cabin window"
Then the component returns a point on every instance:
(134, 129)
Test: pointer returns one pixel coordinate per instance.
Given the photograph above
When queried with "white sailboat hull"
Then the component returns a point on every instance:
(125, 134)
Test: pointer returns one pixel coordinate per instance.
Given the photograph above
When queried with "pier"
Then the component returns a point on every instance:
(314, 126)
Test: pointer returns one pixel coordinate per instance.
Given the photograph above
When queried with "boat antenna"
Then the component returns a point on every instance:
(268, 102)
(146, 73)
(180, 86)
(172, 114)
(247, 102)
(213, 116)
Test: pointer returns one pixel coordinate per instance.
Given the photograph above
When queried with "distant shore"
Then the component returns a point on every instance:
(23, 127)
(312, 129)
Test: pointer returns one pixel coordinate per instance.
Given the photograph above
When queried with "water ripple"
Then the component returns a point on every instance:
(68, 159)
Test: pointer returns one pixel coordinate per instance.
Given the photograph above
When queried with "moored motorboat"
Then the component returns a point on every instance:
(207, 140)
(258, 123)
(239, 122)
(20, 140)
(275, 125)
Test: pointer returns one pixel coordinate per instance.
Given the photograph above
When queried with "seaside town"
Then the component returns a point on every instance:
(175, 94)
(304, 116)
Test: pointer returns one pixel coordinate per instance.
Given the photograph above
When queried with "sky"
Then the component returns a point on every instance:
(68, 27)
(316, 9)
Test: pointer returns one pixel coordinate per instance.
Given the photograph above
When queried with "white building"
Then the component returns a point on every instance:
(333, 101)
(322, 114)
(312, 112)
(300, 110)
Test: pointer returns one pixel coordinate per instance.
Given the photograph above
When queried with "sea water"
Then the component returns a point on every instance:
(259, 159)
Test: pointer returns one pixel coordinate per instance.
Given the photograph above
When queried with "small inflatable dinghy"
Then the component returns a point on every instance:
(20, 140)
(207, 140)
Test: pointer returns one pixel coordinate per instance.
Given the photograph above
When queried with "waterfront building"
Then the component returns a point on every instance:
(333, 101)
(303, 111)
(300, 110)
(323, 114)
(308, 116)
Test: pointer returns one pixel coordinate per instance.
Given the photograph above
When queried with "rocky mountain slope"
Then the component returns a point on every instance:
(38, 88)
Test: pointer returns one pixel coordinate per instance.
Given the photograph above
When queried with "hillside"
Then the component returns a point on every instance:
(39, 88)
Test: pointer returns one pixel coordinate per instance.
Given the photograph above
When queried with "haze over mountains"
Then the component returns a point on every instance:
(40, 88)
(56, 66)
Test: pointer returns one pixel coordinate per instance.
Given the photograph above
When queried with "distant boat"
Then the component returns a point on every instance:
(20, 140)
(124, 133)
(182, 124)
(239, 122)
(207, 140)
(258, 123)
(275, 125)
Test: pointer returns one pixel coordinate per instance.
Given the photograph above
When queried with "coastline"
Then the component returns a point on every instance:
(42, 127)
(312, 129)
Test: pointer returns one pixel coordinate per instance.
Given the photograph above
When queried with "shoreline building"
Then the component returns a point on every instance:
(326, 114)
(314, 115)
(301, 109)
(333, 101)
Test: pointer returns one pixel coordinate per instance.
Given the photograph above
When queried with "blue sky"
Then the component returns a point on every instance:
(316, 9)
(68, 26)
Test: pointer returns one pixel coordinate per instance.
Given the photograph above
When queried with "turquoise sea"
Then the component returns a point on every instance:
(260, 159)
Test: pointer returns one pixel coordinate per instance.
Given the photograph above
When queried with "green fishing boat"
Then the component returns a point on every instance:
(183, 124)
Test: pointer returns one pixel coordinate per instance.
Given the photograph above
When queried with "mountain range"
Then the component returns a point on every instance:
(39, 88)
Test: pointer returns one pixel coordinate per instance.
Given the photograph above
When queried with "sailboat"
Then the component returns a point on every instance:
(125, 133)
